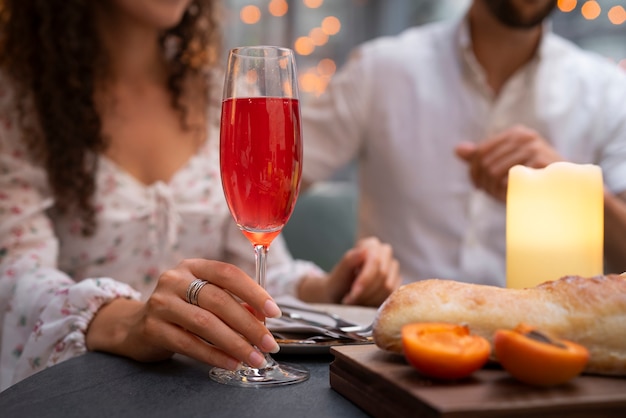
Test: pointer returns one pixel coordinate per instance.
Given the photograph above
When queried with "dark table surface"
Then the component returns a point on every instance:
(102, 385)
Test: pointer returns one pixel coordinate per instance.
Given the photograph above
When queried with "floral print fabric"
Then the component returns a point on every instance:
(53, 280)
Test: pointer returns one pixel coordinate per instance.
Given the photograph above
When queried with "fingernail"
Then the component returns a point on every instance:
(348, 299)
(233, 364)
(271, 309)
(269, 344)
(257, 360)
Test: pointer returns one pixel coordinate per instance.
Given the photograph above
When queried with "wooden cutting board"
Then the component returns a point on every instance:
(384, 385)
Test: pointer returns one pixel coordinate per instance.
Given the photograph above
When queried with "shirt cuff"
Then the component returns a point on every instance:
(59, 334)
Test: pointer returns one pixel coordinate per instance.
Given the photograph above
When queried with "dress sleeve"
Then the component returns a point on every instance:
(44, 313)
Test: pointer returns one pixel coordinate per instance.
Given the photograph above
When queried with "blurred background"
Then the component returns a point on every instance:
(322, 32)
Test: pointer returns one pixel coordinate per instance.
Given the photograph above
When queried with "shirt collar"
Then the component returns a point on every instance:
(465, 40)
(470, 65)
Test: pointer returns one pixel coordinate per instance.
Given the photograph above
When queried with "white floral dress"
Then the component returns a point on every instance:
(53, 280)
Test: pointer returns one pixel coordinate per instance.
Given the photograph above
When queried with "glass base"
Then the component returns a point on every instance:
(274, 374)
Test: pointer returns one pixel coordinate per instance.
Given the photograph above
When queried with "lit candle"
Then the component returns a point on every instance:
(554, 223)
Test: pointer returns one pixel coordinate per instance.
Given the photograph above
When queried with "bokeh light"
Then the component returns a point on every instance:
(308, 81)
(313, 4)
(331, 25)
(318, 36)
(304, 45)
(591, 10)
(250, 14)
(278, 8)
(566, 5)
(251, 77)
(617, 15)
(326, 67)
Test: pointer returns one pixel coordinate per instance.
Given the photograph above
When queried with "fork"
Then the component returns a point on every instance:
(351, 329)
(339, 321)
(330, 330)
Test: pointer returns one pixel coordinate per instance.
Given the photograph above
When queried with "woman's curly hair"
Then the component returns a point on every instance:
(51, 50)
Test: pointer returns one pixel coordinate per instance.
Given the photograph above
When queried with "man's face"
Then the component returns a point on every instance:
(520, 14)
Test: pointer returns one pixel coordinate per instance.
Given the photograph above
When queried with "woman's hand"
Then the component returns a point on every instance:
(365, 275)
(220, 331)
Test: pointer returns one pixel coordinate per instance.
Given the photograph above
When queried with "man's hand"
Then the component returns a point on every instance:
(490, 160)
(365, 275)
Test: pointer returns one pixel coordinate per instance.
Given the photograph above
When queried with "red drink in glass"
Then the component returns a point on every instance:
(261, 163)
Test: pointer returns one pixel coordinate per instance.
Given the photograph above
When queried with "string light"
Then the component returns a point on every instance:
(617, 15)
(318, 36)
(326, 67)
(331, 25)
(591, 10)
(566, 5)
(304, 45)
(313, 4)
(278, 8)
(250, 14)
(314, 80)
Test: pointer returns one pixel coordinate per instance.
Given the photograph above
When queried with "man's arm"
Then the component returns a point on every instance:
(614, 232)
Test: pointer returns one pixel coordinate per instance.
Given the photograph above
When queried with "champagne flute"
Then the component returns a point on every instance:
(261, 166)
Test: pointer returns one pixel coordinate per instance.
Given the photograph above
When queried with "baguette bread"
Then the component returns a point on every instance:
(588, 311)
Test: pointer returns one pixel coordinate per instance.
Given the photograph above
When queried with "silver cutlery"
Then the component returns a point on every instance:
(339, 332)
(340, 323)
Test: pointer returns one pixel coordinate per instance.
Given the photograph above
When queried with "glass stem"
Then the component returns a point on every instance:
(260, 257)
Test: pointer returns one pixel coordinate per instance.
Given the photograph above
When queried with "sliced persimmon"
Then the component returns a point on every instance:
(537, 358)
(444, 351)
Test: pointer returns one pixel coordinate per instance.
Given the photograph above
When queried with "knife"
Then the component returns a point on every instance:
(329, 330)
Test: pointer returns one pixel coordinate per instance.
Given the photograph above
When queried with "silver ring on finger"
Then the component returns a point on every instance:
(194, 290)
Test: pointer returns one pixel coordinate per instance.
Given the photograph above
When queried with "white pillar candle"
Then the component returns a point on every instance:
(554, 223)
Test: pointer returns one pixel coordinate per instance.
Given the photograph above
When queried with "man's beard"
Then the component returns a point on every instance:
(508, 15)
